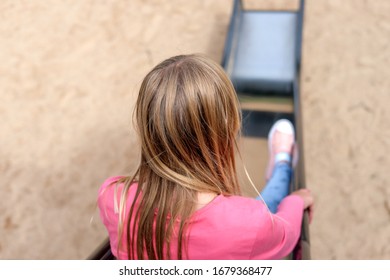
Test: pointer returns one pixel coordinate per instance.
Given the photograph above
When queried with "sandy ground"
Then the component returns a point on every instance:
(69, 75)
(345, 98)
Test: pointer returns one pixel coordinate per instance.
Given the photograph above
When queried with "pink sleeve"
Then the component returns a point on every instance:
(279, 233)
(106, 202)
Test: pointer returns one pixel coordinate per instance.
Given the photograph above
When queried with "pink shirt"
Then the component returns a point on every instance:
(235, 227)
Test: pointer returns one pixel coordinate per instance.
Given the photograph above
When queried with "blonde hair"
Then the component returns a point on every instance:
(187, 116)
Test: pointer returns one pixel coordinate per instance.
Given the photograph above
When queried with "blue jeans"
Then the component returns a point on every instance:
(277, 187)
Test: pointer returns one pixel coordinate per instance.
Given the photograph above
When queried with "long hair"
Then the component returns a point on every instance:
(187, 117)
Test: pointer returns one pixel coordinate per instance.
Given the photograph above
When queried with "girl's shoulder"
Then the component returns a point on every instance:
(244, 202)
(113, 186)
(109, 184)
(234, 206)
(110, 193)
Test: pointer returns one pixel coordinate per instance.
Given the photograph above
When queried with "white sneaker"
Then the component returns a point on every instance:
(281, 144)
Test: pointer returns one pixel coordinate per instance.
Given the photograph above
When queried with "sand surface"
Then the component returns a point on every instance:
(69, 75)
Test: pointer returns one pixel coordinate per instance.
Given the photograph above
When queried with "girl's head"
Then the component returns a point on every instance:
(188, 118)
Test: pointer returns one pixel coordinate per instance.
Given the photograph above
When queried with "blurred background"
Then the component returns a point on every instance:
(69, 76)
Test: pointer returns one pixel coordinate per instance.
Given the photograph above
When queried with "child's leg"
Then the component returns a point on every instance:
(280, 146)
(277, 186)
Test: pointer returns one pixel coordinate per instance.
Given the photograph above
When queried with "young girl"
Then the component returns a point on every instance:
(184, 202)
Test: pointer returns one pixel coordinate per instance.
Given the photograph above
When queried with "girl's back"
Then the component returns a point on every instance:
(233, 227)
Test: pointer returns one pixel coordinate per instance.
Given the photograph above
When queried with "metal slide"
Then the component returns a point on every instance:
(262, 57)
